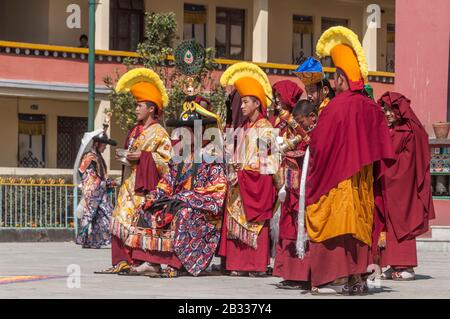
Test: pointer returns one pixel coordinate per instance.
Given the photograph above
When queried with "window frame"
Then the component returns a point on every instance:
(115, 11)
(228, 23)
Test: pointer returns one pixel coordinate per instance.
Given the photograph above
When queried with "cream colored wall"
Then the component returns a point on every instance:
(177, 6)
(24, 20)
(58, 32)
(9, 131)
(386, 18)
(41, 21)
(52, 109)
(281, 24)
(102, 25)
(10, 107)
(119, 136)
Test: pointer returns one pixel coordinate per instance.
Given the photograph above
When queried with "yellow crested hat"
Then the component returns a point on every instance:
(145, 85)
(343, 46)
(249, 80)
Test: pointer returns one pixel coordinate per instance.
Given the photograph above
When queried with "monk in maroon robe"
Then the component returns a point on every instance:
(347, 151)
(294, 271)
(337, 158)
(408, 204)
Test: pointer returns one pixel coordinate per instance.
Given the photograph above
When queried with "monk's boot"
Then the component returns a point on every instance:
(294, 284)
(387, 274)
(120, 267)
(144, 269)
(404, 274)
(334, 288)
(356, 286)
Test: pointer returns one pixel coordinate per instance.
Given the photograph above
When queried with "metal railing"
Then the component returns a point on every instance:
(39, 204)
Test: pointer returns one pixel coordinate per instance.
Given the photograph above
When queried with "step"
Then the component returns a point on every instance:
(431, 244)
(440, 232)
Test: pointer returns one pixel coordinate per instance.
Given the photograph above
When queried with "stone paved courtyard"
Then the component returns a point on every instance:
(54, 259)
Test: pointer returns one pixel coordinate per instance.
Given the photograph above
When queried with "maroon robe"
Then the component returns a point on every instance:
(258, 197)
(351, 133)
(406, 186)
(289, 93)
(337, 257)
(287, 263)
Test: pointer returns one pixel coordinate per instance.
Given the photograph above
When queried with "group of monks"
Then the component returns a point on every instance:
(349, 182)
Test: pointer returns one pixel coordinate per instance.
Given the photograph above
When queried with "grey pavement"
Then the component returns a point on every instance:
(53, 259)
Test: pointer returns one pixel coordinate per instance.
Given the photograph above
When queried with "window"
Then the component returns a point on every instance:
(70, 133)
(326, 24)
(302, 42)
(195, 23)
(390, 50)
(332, 22)
(230, 33)
(126, 24)
(31, 140)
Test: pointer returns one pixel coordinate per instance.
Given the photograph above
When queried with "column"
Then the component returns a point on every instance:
(371, 24)
(260, 30)
(102, 25)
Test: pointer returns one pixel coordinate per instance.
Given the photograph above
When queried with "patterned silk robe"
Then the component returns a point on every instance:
(153, 140)
(238, 224)
(191, 229)
(96, 204)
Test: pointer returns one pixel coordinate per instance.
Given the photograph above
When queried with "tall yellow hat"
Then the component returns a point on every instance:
(145, 85)
(249, 80)
(343, 46)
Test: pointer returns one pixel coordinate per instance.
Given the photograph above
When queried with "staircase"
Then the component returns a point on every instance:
(439, 241)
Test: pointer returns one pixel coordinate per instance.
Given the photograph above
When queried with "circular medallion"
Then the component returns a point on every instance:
(189, 57)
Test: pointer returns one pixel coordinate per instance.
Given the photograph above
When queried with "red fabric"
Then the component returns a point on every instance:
(288, 217)
(338, 257)
(119, 252)
(289, 92)
(235, 103)
(350, 134)
(398, 254)
(408, 198)
(147, 176)
(200, 98)
(257, 193)
(282, 125)
(134, 132)
(287, 265)
(379, 214)
(240, 257)
(157, 257)
(222, 250)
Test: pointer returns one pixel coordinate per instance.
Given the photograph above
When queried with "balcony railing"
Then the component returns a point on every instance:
(111, 56)
(39, 203)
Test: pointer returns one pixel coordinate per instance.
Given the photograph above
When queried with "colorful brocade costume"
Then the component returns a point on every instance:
(239, 225)
(155, 146)
(245, 241)
(96, 204)
(184, 214)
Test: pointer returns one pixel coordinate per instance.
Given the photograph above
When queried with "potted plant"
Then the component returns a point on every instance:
(441, 129)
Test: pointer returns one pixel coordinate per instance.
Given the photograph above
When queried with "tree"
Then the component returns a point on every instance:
(160, 35)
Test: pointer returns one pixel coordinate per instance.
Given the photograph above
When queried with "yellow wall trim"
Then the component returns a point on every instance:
(34, 46)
